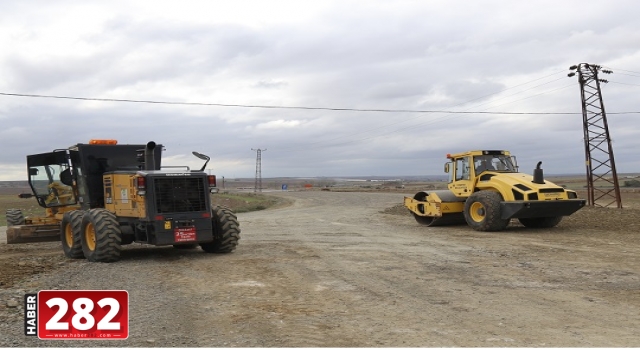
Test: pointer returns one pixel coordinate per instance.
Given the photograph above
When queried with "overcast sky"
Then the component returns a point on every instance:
(472, 56)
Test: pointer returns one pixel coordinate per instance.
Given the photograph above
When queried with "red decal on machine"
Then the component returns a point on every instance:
(185, 234)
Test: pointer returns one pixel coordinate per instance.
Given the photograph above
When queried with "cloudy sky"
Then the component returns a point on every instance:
(353, 56)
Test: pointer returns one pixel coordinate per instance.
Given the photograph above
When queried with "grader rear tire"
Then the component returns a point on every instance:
(226, 231)
(15, 217)
(482, 211)
(71, 234)
(101, 236)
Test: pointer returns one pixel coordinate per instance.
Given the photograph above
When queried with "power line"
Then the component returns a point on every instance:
(615, 82)
(289, 107)
(623, 70)
(258, 106)
(629, 75)
(441, 117)
(447, 113)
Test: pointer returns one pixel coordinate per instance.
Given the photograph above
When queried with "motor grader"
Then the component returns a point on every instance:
(102, 195)
(486, 191)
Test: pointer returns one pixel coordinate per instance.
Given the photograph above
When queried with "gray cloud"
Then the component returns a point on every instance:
(468, 56)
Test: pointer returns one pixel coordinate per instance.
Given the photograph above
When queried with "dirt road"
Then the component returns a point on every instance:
(334, 270)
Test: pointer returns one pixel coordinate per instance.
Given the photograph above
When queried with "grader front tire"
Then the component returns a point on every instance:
(71, 234)
(15, 217)
(101, 236)
(482, 211)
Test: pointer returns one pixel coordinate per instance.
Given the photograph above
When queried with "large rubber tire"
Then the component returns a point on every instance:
(101, 236)
(71, 234)
(482, 211)
(15, 217)
(547, 222)
(226, 231)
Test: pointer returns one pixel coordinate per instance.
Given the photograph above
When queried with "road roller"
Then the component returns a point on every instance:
(486, 191)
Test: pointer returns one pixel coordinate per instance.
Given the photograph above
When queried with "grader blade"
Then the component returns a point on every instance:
(33, 234)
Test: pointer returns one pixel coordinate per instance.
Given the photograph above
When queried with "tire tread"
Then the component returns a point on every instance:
(226, 231)
(108, 236)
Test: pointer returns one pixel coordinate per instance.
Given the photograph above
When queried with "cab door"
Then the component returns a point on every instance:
(462, 182)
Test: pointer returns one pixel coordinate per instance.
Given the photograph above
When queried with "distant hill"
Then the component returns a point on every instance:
(14, 187)
(14, 184)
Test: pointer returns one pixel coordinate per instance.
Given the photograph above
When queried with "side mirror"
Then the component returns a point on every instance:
(203, 157)
(33, 171)
(446, 167)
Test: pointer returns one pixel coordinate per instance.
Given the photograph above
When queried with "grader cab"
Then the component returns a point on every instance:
(100, 196)
(486, 191)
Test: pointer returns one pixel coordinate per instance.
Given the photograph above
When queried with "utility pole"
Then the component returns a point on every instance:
(603, 189)
(258, 184)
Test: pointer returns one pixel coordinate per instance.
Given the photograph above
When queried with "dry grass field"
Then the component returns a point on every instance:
(238, 202)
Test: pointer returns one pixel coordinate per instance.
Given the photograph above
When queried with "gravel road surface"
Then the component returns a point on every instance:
(334, 269)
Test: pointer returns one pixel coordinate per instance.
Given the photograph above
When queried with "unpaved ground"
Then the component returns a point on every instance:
(335, 269)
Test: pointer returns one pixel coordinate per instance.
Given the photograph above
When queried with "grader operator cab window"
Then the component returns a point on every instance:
(52, 184)
(51, 180)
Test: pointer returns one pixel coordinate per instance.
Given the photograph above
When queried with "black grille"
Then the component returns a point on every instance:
(517, 195)
(180, 194)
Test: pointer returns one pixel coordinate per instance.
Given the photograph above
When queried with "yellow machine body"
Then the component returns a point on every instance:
(39, 228)
(100, 196)
(521, 195)
(121, 195)
(435, 203)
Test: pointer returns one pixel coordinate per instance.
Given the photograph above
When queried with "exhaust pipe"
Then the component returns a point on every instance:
(149, 158)
(538, 177)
